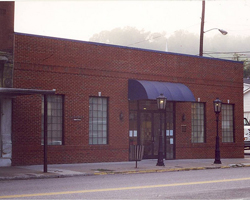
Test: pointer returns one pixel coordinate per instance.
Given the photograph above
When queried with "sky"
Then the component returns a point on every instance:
(80, 19)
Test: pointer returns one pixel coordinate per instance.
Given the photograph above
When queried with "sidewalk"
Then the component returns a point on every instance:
(88, 169)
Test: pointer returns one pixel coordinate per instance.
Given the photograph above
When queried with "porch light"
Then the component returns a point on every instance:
(161, 102)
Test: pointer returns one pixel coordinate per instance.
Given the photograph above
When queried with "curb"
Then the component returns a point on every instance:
(43, 176)
(171, 170)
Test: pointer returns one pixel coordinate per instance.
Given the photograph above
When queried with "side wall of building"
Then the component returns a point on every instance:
(79, 70)
(6, 43)
(6, 79)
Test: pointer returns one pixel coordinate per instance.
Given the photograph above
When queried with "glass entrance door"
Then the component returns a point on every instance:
(149, 133)
(146, 134)
(145, 120)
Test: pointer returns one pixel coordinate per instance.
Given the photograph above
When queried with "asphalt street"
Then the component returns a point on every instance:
(230, 183)
(178, 179)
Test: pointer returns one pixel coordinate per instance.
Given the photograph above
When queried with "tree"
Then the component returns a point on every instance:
(246, 72)
(218, 46)
(180, 42)
(246, 64)
(184, 42)
(132, 37)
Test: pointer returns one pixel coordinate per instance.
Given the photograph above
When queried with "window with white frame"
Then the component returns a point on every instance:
(98, 120)
(227, 111)
(54, 119)
(198, 122)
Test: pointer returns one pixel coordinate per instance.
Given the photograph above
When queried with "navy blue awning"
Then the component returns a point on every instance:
(139, 90)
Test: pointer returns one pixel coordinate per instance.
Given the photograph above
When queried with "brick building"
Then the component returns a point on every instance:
(105, 100)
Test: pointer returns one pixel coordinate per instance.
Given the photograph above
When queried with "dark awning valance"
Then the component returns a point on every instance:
(138, 90)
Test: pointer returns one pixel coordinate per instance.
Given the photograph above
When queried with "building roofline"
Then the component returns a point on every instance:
(124, 47)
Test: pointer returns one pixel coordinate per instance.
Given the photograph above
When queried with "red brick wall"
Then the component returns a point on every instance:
(81, 69)
(6, 43)
(7, 26)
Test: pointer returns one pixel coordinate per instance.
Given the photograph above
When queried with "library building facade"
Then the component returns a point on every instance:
(94, 102)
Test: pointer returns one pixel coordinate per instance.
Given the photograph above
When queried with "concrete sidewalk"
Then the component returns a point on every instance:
(144, 166)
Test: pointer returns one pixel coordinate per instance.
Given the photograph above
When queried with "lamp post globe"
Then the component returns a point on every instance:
(217, 105)
(161, 102)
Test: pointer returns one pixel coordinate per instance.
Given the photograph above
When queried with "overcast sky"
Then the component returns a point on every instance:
(81, 19)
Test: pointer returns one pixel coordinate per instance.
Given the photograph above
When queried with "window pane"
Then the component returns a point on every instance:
(98, 120)
(100, 141)
(95, 140)
(147, 105)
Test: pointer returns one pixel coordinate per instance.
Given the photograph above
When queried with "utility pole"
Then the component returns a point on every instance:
(202, 28)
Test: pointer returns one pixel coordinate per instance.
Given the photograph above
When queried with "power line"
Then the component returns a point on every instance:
(226, 57)
(145, 40)
(227, 52)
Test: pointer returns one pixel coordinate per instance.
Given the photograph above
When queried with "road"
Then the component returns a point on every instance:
(232, 183)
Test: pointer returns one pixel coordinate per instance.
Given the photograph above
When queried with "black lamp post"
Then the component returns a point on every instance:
(161, 103)
(217, 110)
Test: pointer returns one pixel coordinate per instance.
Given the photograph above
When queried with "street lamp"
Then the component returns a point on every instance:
(223, 32)
(217, 110)
(161, 103)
